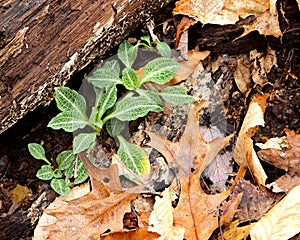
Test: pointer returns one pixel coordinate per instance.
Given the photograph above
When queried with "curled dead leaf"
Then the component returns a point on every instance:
(282, 221)
(244, 153)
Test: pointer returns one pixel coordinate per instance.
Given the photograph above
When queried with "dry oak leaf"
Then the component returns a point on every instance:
(282, 221)
(89, 216)
(220, 11)
(161, 218)
(196, 210)
(244, 153)
(288, 160)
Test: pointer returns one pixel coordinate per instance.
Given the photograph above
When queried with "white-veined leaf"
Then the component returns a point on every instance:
(81, 174)
(127, 53)
(38, 152)
(45, 172)
(65, 159)
(163, 49)
(57, 173)
(83, 141)
(134, 157)
(160, 70)
(176, 95)
(70, 100)
(61, 186)
(114, 127)
(130, 79)
(130, 108)
(104, 77)
(68, 121)
(113, 66)
(95, 109)
(151, 96)
(107, 100)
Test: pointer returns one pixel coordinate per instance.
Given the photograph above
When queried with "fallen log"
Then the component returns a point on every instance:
(43, 43)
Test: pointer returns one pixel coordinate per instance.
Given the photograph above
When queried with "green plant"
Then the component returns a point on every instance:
(68, 166)
(109, 112)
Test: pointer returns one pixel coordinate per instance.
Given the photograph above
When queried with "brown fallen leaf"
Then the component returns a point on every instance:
(244, 153)
(196, 210)
(229, 12)
(282, 221)
(161, 218)
(242, 76)
(186, 68)
(262, 65)
(233, 231)
(88, 216)
(221, 11)
(139, 233)
(266, 24)
(288, 160)
(255, 202)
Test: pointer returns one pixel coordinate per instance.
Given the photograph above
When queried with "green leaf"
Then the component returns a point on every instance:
(70, 100)
(134, 157)
(83, 141)
(151, 96)
(127, 53)
(130, 108)
(45, 172)
(69, 172)
(107, 101)
(65, 159)
(61, 186)
(68, 121)
(114, 127)
(176, 95)
(147, 40)
(81, 173)
(57, 173)
(163, 49)
(95, 109)
(104, 77)
(160, 70)
(113, 66)
(130, 79)
(38, 152)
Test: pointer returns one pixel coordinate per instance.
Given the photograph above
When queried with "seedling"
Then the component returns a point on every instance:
(68, 166)
(113, 114)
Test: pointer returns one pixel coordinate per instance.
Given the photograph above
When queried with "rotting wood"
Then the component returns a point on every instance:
(52, 40)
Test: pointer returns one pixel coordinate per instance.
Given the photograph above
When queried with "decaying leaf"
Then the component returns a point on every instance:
(161, 218)
(220, 11)
(233, 231)
(242, 76)
(255, 201)
(139, 233)
(195, 211)
(88, 216)
(282, 221)
(244, 153)
(288, 160)
(186, 68)
(229, 12)
(262, 64)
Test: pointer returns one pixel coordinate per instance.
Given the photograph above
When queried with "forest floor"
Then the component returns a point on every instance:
(224, 70)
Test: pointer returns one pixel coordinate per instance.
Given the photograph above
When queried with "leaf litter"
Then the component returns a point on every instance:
(189, 211)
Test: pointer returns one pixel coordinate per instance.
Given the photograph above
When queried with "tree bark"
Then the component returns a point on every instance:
(43, 43)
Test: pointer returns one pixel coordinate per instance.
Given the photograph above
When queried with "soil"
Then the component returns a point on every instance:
(18, 167)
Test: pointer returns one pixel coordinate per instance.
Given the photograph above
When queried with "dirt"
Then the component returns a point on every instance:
(18, 167)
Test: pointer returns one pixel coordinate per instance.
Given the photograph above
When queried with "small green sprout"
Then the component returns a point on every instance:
(110, 113)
